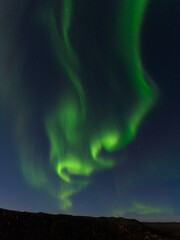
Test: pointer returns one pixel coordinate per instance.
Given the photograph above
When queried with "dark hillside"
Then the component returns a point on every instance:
(37, 226)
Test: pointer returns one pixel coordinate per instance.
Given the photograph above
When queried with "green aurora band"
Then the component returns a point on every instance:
(142, 209)
(76, 142)
(73, 153)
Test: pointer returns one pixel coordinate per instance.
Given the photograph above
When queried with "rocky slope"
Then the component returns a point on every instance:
(37, 226)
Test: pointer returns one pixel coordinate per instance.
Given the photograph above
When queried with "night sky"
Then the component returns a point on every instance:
(89, 107)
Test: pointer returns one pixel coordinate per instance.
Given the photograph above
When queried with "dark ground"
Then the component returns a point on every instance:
(172, 228)
(26, 226)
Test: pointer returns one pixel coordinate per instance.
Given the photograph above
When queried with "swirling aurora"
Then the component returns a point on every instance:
(95, 98)
(67, 154)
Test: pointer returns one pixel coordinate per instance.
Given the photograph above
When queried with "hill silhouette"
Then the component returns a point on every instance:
(37, 226)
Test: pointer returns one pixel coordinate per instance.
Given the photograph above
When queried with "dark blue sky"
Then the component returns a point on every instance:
(35, 68)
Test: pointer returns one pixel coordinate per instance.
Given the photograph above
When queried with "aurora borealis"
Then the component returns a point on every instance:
(89, 116)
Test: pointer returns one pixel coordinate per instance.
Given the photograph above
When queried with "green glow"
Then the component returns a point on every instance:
(62, 130)
(34, 175)
(145, 210)
(110, 140)
(76, 144)
(64, 50)
(132, 13)
(72, 165)
(95, 148)
(64, 198)
(69, 153)
(74, 151)
(68, 117)
(142, 209)
(66, 192)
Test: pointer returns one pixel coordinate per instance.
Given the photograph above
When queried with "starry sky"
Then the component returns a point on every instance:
(89, 107)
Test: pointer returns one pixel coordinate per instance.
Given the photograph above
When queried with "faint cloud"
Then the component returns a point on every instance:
(143, 209)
